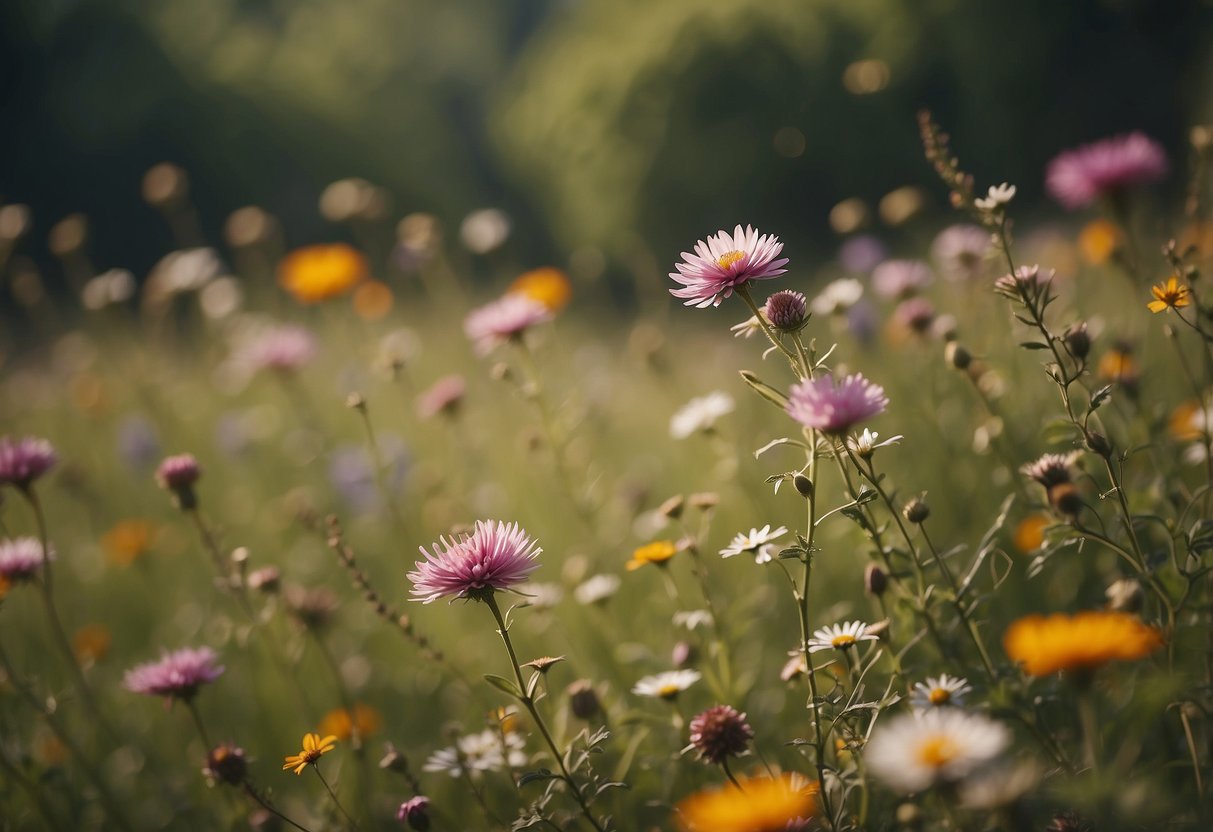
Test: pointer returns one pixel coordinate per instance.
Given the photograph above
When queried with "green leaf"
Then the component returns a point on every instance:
(1033, 345)
(1101, 396)
(503, 684)
(535, 777)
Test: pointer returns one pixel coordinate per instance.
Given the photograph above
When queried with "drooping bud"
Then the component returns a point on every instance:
(226, 763)
(804, 485)
(583, 701)
(1078, 340)
(957, 356)
(875, 581)
(916, 511)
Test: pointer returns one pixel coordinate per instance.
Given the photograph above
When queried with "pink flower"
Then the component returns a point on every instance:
(178, 472)
(494, 556)
(443, 396)
(1079, 177)
(20, 558)
(283, 349)
(178, 674)
(24, 460)
(960, 251)
(415, 812)
(900, 278)
(835, 407)
(726, 262)
(508, 317)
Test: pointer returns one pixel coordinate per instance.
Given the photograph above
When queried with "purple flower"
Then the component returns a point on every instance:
(178, 472)
(415, 812)
(960, 250)
(137, 442)
(494, 556)
(24, 460)
(916, 314)
(442, 397)
(726, 262)
(1079, 177)
(178, 675)
(20, 558)
(832, 407)
(283, 349)
(508, 317)
(786, 310)
(719, 733)
(862, 253)
(900, 278)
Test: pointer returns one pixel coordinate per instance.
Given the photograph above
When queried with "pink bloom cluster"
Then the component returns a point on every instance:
(177, 472)
(443, 396)
(494, 556)
(178, 674)
(283, 349)
(726, 262)
(24, 460)
(1079, 177)
(508, 317)
(834, 407)
(20, 558)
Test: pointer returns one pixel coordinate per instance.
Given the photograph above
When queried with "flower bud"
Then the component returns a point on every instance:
(684, 654)
(226, 763)
(1124, 595)
(804, 485)
(957, 356)
(1078, 341)
(916, 511)
(1065, 499)
(786, 310)
(875, 581)
(672, 508)
(1098, 443)
(583, 701)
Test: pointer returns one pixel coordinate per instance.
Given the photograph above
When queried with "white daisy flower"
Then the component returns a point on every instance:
(692, 619)
(544, 596)
(866, 443)
(596, 589)
(746, 328)
(840, 636)
(837, 297)
(759, 542)
(996, 197)
(940, 691)
(666, 685)
(913, 752)
(700, 414)
(489, 750)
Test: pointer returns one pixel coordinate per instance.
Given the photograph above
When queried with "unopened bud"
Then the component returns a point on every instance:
(355, 401)
(1098, 443)
(875, 581)
(957, 356)
(583, 701)
(672, 508)
(916, 511)
(1065, 499)
(1124, 595)
(684, 654)
(1078, 341)
(804, 485)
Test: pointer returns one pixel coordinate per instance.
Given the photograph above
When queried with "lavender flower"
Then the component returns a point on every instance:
(1081, 176)
(24, 460)
(719, 733)
(178, 472)
(177, 675)
(20, 559)
(724, 263)
(960, 250)
(137, 442)
(442, 397)
(494, 556)
(861, 253)
(786, 310)
(900, 278)
(495, 323)
(415, 812)
(916, 314)
(834, 407)
(282, 349)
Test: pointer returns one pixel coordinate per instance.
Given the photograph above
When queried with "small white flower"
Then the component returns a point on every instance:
(840, 636)
(489, 750)
(837, 297)
(865, 444)
(746, 328)
(700, 414)
(940, 691)
(692, 619)
(666, 685)
(596, 589)
(759, 542)
(913, 752)
(996, 197)
(544, 596)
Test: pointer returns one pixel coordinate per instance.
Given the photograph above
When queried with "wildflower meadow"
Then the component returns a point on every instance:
(369, 526)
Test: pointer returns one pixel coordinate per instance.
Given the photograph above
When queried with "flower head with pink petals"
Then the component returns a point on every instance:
(726, 262)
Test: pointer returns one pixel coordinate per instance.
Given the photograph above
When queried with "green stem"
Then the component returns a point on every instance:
(333, 795)
(264, 804)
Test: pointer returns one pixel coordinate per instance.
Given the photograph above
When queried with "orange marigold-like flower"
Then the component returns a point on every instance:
(550, 286)
(318, 273)
(1169, 295)
(659, 551)
(1085, 641)
(313, 748)
(762, 804)
(340, 724)
(126, 541)
(1030, 533)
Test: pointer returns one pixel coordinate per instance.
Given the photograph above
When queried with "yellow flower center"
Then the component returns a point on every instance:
(311, 756)
(938, 751)
(669, 691)
(842, 642)
(939, 696)
(729, 258)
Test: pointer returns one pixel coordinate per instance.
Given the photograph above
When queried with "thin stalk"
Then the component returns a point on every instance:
(961, 609)
(333, 795)
(193, 709)
(34, 793)
(724, 764)
(264, 804)
(743, 292)
(529, 703)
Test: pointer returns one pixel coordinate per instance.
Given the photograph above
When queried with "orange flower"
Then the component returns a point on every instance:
(126, 541)
(91, 642)
(658, 552)
(373, 300)
(549, 286)
(1086, 641)
(1118, 365)
(5, 586)
(762, 804)
(1187, 421)
(339, 723)
(314, 747)
(1030, 533)
(1169, 295)
(1098, 241)
(318, 273)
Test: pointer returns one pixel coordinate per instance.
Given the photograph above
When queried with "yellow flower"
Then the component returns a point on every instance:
(126, 541)
(1030, 533)
(1098, 241)
(1086, 641)
(5, 585)
(1169, 295)
(1118, 365)
(659, 551)
(1187, 421)
(339, 723)
(91, 642)
(373, 300)
(313, 748)
(317, 273)
(548, 285)
(762, 804)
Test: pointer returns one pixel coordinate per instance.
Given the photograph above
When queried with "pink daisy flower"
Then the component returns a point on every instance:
(726, 262)
(24, 460)
(443, 396)
(508, 317)
(834, 407)
(178, 472)
(1079, 177)
(283, 349)
(178, 675)
(900, 278)
(494, 556)
(20, 559)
